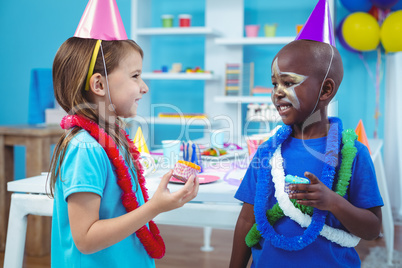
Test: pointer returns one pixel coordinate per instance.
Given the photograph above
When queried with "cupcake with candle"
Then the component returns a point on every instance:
(184, 169)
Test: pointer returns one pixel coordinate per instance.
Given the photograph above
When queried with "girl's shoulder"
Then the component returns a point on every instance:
(84, 140)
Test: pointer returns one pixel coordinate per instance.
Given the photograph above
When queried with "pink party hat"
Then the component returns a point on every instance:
(318, 26)
(101, 20)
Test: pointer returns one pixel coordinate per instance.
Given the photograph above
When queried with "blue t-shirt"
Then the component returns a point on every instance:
(86, 168)
(299, 157)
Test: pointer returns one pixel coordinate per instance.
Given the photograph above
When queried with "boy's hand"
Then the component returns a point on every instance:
(315, 194)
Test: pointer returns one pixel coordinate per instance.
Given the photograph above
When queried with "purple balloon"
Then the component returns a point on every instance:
(342, 40)
(397, 6)
(384, 4)
(357, 5)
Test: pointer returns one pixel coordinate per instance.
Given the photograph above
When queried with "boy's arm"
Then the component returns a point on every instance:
(364, 223)
(240, 251)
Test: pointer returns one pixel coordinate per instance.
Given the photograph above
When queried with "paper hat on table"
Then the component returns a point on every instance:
(361, 134)
(318, 26)
(101, 20)
(139, 142)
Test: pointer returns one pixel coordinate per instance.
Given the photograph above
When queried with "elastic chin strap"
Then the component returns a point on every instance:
(107, 81)
(326, 75)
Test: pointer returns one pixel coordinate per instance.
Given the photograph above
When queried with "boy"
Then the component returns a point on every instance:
(343, 190)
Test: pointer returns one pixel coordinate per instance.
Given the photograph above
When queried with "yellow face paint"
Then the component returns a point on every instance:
(286, 82)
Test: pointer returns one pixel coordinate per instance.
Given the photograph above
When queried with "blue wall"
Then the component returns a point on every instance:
(32, 31)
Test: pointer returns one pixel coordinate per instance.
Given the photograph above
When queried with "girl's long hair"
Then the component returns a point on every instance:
(70, 69)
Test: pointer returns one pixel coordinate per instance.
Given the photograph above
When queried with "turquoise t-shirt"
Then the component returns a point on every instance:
(86, 168)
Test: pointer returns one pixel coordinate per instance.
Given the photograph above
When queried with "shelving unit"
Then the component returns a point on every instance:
(176, 31)
(224, 42)
(249, 41)
(178, 76)
(242, 99)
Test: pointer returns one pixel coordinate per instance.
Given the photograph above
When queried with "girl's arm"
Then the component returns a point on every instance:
(91, 234)
(240, 251)
(364, 223)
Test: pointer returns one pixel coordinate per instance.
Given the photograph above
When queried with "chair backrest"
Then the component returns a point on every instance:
(41, 95)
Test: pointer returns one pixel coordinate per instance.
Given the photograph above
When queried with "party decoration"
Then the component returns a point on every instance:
(357, 5)
(361, 31)
(341, 39)
(361, 134)
(139, 141)
(318, 26)
(375, 12)
(391, 32)
(101, 20)
(384, 4)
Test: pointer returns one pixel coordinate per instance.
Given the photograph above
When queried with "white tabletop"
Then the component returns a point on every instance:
(218, 191)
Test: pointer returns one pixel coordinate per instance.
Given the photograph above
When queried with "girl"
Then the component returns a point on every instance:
(101, 217)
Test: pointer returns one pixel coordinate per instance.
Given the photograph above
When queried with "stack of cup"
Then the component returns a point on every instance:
(171, 152)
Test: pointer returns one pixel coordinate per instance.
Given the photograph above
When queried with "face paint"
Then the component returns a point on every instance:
(287, 77)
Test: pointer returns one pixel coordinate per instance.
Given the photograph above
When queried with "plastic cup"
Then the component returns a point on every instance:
(184, 20)
(252, 30)
(167, 21)
(270, 30)
(217, 139)
(171, 152)
(252, 144)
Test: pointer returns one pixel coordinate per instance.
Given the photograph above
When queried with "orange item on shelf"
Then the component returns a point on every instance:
(361, 135)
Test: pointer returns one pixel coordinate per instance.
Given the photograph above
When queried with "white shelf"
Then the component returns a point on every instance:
(255, 41)
(178, 76)
(242, 99)
(178, 121)
(177, 31)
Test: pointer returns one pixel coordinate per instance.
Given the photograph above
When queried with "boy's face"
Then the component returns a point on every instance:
(296, 87)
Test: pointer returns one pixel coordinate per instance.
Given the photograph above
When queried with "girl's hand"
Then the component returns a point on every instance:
(164, 200)
(316, 194)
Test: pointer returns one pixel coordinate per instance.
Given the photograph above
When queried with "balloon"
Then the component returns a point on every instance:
(397, 6)
(391, 32)
(384, 4)
(361, 31)
(357, 5)
(341, 39)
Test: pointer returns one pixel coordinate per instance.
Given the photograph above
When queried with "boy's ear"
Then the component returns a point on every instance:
(328, 90)
(96, 85)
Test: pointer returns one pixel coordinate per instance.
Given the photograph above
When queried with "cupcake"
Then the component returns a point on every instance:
(183, 170)
(289, 179)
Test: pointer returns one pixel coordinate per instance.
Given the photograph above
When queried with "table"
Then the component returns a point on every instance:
(214, 207)
(37, 139)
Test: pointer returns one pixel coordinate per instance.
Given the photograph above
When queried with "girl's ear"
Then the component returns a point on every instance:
(328, 90)
(96, 85)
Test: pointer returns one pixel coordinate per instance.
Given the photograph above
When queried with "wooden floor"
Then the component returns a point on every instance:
(183, 249)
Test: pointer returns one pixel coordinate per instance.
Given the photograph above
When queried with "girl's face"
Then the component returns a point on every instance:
(295, 89)
(126, 85)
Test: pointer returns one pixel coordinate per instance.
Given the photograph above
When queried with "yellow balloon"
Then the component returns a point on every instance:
(391, 32)
(361, 31)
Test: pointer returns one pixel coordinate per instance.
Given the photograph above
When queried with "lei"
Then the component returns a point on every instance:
(150, 238)
(338, 236)
(264, 186)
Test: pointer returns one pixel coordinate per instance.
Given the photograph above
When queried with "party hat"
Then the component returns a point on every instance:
(318, 26)
(361, 134)
(101, 20)
(139, 142)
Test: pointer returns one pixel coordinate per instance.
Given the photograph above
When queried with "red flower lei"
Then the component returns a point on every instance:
(150, 238)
